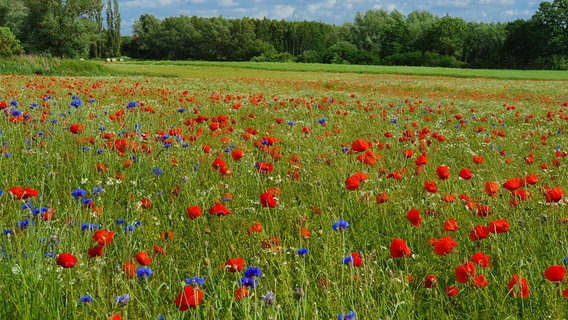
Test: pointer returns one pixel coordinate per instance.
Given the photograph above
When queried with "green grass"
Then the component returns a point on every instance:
(40, 152)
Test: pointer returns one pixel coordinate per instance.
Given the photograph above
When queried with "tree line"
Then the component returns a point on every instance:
(75, 28)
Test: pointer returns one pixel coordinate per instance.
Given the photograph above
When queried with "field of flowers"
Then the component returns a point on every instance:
(367, 196)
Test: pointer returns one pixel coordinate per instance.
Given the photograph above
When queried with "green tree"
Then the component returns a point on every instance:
(9, 45)
(146, 35)
(447, 36)
(12, 15)
(552, 19)
(484, 43)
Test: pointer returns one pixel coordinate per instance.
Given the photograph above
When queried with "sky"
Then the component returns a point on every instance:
(327, 11)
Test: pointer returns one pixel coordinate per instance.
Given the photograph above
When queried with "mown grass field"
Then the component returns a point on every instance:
(159, 177)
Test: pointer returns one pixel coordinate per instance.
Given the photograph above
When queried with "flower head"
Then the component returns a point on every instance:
(340, 225)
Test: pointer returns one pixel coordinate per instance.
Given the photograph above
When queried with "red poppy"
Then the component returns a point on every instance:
(481, 259)
(360, 145)
(518, 287)
(430, 186)
(23, 193)
(255, 228)
(414, 217)
(521, 194)
(130, 268)
(159, 250)
(189, 297)
(143, 258)
(452, 291)
(103, 237)
(531, 179)
(305, 233)
(219, 210)
(352, 183)
(513, 184)
(369, 157)
(449, 198)
(264, 167)
(444, 245)
(241, 292)
(430, 281)
(498, 226)
(479, 232)
(465, 271)
(357, 260)
(235, 264)
(398, 248)
(66, 260)
(491, 188)
(478, 159)
(465, 174)
(95, 251)
(408, 153)
(443, 172)
(237, 154)
(218, 163)
(145, 203)
(480, 281)
(421, 160)
(451, 225)
(382, 197)
(194, 212)
(101, 167)
(555, 273)
(268, 200)
(553, 194)
(76, 128)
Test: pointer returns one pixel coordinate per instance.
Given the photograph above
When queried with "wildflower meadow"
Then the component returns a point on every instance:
(340, 197)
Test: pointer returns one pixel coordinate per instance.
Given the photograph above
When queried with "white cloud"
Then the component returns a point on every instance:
(150, 3)
(283, 11)
(227, 3)
(327, 5)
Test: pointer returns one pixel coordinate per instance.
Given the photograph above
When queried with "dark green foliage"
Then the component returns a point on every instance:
(9, 45)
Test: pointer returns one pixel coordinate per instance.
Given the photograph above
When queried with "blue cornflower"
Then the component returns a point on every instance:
(86, 299)
(565, 260)
(119, 221)
(132, 104)
(291, 123)
(248, 282)
(129, 228)
(97, 190)
(253, 272)
(323, 122)
(76, 102)
(157, 171)
(50, 255)
(340, 225)
(24, 224)
(78, 193)
(195, 281)
(302, 252)
(100, 151)
(345, 149)
(27, 206)
(181, 110)
(349, 316)
(348, 260)
(87, 201)
(144, 272)
(8, 232)
(123, 299)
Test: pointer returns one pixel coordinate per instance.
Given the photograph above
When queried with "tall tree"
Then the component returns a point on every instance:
(447, 36)
(552, 19)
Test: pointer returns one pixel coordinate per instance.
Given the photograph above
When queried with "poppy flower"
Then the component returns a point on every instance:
(491, 188)
(430, 281)
(23, 193)
(382, 197)
(521, 194)
(449, 198)
(408, 153)
(241, 292)
(481, 259)
(555, 273)
(219, 210)
(451, 225)
(66, 260)
(352, 183)
(189, 297)
(237, 154)
(443, 172)
(193, 212)
(235, 264)
(452, 291)
(267, 200)
(398, 248)
(430, 186)
(444, 245)
(498, 226)
(478, 159)
(479, 232)
(414, 217)
(95, 251)
(76, 128)
(421, 160)
(255, 228)
(357, 260)
(464, 272)
(553, 194)
(143, 258)
(465, 174)
(129, 267)
(218, 163)
(103, 237)
(264, 167)
(360, 145)
(480, 281)
(513, 184)
(159, 250)
(145, 203)
(518, 287)
(531, 179)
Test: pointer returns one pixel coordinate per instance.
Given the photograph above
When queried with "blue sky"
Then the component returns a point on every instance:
(328, 11)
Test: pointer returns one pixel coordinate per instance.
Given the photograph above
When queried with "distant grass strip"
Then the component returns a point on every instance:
(340, 68)
(29, 65)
